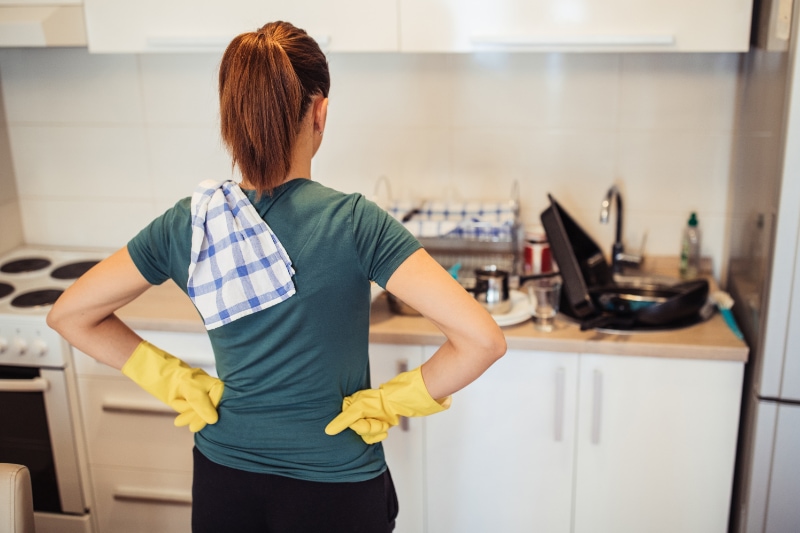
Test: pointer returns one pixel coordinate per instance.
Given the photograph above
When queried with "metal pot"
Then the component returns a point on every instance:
(491, 289)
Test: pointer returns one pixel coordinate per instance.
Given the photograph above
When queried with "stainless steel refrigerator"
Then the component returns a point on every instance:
(764, 278)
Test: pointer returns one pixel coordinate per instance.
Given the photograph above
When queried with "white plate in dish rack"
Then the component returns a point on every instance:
(520, 310)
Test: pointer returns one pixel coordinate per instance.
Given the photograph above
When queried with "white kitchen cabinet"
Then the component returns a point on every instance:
(404, 445)
(140, 464)
(502, 457)
(587, 443)
(575, 25)
(656, 443)
(208, 25)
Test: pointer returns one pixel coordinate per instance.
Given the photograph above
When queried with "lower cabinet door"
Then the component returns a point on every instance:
(142, 501)
(404, 445)
(656, 444)
(501, 458)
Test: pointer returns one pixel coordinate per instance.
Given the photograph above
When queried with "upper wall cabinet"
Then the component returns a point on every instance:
(208, 25)
(575, 25)
(40, 23)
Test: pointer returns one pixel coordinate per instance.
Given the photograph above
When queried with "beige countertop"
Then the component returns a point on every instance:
(167, 308)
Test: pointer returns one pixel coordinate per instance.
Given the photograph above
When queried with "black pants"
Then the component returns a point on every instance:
(226, 500)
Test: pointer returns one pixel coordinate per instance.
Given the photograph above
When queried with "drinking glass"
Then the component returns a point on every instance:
(544, 296)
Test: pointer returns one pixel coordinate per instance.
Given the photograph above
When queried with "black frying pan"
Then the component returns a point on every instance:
(652, 305)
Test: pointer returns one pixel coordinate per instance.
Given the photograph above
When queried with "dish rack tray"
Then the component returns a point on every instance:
(477, 245)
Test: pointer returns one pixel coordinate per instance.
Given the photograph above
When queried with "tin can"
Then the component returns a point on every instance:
(537, 258)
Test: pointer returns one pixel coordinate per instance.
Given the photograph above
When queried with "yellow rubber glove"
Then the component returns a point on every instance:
(371, 412)
(190, 391)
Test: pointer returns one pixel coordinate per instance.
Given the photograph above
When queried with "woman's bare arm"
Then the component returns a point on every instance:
(84, 314)
(474, 340)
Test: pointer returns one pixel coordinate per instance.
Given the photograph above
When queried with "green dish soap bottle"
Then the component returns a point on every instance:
(690, 249)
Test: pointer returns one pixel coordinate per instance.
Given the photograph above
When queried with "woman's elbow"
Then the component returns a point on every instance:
(58, 318)
(499, 346)
(54, 317)
(492, 343)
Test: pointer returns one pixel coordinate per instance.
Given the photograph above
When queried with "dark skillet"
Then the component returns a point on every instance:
(626, 306)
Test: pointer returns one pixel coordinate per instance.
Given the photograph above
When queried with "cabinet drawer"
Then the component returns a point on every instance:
(125, 426)
(133, 501)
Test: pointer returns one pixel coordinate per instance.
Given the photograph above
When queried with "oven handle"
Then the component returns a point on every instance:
(37, 384)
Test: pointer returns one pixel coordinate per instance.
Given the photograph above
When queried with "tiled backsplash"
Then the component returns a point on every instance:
(103, 143)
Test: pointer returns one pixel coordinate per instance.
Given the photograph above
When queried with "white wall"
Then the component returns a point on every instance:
(10, 219)
(103, 143)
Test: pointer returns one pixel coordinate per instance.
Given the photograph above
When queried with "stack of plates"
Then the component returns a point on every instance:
(520, 310)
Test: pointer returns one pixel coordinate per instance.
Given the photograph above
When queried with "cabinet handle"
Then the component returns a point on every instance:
(209, 43)
(597, 406)
(131, 407)
(196, 43)
(560, 392)
(402, 366)
(574, 40)
(163, 496)
(24, 385)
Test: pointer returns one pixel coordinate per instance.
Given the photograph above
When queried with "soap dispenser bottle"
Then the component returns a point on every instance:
(690, 249)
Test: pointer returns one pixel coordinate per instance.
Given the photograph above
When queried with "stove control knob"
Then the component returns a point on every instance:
(20, 346)
(38, 348)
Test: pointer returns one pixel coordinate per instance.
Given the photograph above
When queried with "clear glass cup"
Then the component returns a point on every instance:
(544, 295)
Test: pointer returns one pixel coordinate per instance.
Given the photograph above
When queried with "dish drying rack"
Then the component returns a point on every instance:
(475, 241)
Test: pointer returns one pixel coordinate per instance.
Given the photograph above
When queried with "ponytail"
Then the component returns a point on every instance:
(267, 79)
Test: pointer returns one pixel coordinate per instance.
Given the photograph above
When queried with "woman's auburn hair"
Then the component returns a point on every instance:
(267, 79)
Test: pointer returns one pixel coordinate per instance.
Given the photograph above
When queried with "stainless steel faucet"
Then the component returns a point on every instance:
(619, 258)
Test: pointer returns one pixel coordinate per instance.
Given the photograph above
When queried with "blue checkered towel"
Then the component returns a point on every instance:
(238, 265)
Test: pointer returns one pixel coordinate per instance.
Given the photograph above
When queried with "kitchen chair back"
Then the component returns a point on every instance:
(16, 499)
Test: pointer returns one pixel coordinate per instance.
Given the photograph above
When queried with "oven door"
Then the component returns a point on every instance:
(37, 430)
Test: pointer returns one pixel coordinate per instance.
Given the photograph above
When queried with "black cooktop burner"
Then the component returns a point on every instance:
(72, 270)
(37, 298)
(6, 289)
(25, 264)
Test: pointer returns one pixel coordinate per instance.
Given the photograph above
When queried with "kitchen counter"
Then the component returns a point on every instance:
(166, 308)
(708, 340)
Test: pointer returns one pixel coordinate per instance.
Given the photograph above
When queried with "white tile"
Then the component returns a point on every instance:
(538, 91)
(180, 88)
(674, 171)
(575, 166)
(390, 90)
(415, 160)
(678, 91)
(91, 223)
(487, 162)
(11, 222)
(69, 85)
(182, 157)
(81, 161)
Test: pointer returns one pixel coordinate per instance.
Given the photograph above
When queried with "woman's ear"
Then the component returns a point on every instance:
(320, 115)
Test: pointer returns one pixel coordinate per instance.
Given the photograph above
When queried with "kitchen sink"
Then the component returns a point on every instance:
(650, 282)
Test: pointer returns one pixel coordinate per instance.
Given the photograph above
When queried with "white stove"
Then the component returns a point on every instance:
(31, 278)
(37, 378)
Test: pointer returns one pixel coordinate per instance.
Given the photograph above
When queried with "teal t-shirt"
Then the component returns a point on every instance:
(287, 368)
